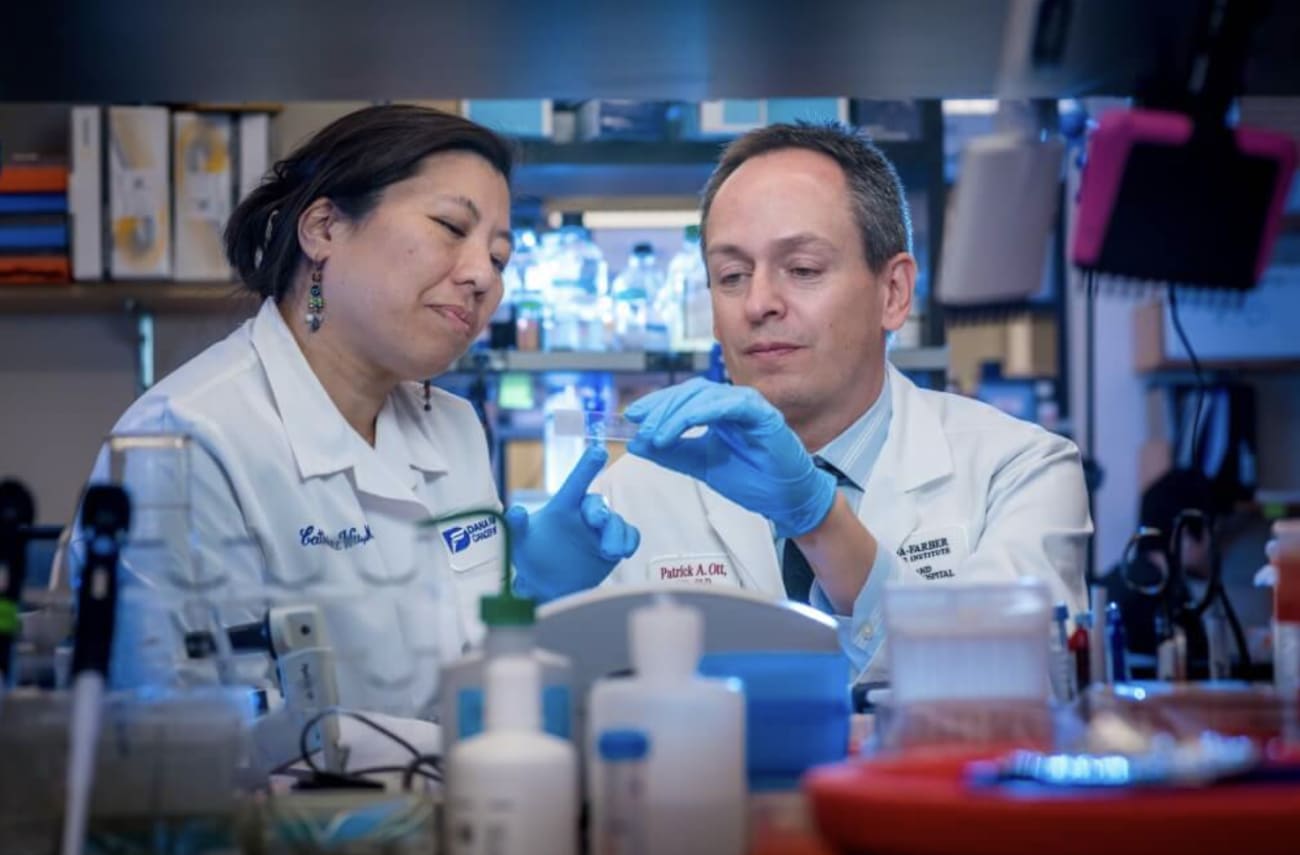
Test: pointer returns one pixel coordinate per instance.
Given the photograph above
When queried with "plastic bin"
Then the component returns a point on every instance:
(968, 642)
(796, 711)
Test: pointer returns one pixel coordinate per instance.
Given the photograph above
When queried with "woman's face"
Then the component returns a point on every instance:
(408, 287)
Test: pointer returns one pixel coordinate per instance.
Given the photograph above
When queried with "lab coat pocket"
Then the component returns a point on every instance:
(934, 554)
(469, 586)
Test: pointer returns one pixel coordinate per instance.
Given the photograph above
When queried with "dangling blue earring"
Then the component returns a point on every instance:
(315, 302)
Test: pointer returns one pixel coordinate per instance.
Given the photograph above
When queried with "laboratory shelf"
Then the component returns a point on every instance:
(617, 361)
(157, 296)
(604, 168)
(906, 359)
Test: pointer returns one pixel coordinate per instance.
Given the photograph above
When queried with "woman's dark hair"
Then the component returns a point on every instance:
(350, 162)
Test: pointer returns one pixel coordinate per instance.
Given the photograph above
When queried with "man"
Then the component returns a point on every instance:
(824, 473)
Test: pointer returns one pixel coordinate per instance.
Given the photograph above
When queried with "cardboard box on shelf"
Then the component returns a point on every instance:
(1025, 346)
(1255, 328)
(203, 190)
(86, 192)
(531, 118)
(139, 201)
(297, 121)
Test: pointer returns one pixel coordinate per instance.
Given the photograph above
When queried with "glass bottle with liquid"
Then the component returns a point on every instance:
(688, 285)
(578, 287)
(637, 322)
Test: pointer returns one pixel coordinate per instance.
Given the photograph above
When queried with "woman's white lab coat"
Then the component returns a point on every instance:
(288, 504)
(961, 492)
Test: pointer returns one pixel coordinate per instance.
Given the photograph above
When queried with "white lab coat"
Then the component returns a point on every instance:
(961, 492)
(334, 517)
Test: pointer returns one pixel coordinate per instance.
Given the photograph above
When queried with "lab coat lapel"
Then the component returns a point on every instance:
(747, 538)
(916, 453)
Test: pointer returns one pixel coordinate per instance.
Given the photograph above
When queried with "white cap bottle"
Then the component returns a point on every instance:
(513, 789)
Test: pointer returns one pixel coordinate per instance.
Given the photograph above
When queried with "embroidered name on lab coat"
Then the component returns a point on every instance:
(935, 554)
(703, 569)
(347, 538)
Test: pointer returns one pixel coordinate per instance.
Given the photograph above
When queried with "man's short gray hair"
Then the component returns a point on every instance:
(875, 191)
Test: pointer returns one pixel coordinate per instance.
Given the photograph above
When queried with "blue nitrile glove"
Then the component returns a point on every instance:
(749, 454)
(573, 542)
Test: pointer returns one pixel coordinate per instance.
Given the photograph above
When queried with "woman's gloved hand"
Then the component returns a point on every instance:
(747, 454)
(573, 542)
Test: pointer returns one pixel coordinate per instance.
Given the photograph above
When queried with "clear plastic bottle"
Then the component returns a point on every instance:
(578, 287)
(691, 319)
(525, 291)
(583, 392)
(637, 322)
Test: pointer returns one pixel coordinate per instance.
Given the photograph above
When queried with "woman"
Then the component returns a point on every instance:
(378, 247)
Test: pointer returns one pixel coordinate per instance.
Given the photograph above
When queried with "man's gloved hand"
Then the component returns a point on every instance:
(573, 542)
(748, 454)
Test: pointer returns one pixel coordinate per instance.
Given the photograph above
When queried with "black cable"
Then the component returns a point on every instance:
(433, 761)
(1090, 409)
(405, 769)
(1196, 369)
(306, 753)
(1214, 588)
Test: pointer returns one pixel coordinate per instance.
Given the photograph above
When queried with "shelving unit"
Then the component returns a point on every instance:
(674, 168)
(1174, 373)
(88, 297)
(919, 359)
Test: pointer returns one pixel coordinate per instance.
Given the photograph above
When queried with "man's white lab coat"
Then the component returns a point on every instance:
(961, 492)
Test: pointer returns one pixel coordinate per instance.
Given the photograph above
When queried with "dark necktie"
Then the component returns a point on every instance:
(795, 570)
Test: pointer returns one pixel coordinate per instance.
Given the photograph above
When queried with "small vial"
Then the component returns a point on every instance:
(1116, 644)
(620, 821)
(1080, 649)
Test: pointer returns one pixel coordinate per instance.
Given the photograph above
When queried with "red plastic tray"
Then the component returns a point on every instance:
(920, 804)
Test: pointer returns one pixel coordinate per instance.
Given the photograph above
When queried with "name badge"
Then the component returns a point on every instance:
(700, 569)
(934, 554)
(471, 541)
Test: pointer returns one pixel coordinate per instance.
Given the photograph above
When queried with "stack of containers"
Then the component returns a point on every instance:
(34, 223)
(969, 664)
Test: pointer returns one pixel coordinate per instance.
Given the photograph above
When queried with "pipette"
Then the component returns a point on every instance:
(106, 517)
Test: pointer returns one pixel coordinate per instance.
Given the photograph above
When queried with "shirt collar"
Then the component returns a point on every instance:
(854, 452)
(321, 439)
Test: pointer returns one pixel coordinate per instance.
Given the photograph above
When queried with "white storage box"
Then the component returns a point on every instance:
(968, 642)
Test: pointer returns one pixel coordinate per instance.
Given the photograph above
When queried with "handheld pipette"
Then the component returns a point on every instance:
(105, 517)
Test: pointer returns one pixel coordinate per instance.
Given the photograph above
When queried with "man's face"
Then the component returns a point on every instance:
(798, 312)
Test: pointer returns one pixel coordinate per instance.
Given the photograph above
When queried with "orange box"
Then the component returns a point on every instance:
(19, 269)
(30, 178)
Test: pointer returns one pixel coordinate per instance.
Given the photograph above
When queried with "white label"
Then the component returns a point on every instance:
(471, 541)
(206, 197)
(712, 569)
(934, 553)
(137, 193)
